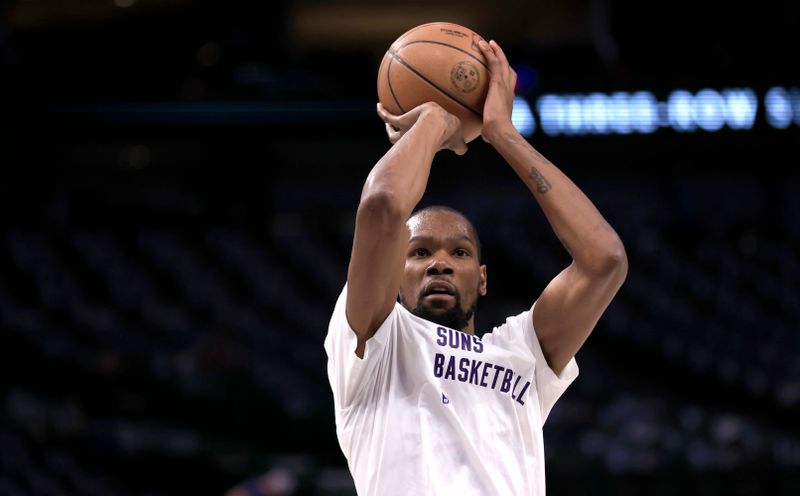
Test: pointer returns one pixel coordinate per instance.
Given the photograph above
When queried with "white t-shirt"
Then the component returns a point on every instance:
(434, 411)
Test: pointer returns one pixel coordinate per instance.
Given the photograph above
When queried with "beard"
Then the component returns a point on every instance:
(453, 318)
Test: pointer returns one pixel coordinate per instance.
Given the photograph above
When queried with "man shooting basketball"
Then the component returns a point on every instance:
(423, 406)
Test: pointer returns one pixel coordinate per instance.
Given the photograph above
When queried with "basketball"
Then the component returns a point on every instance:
(439, 62)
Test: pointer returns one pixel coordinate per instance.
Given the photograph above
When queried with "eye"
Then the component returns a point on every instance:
(461, 252)
(419, 252)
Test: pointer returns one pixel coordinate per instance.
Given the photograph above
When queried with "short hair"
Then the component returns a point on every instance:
(445, 208)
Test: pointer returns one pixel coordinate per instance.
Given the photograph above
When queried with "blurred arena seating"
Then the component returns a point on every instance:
(156, 344)
(178, 183)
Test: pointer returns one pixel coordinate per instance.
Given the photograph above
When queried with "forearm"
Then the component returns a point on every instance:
(401, 176)
(392, 190)
(572, 302)
(583, 231)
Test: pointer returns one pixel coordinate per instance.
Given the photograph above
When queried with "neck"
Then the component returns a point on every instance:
(470, 328)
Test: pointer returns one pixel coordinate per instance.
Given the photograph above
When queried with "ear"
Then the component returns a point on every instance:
(482, 285)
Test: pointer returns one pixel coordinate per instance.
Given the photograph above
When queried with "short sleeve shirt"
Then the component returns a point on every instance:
(436, 411)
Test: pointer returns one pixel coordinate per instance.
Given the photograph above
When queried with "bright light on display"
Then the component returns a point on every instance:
(707, 110)
(779, 108)
(741, 107)
(522, 117)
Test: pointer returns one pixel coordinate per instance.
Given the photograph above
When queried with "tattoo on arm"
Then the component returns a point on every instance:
(542, 184)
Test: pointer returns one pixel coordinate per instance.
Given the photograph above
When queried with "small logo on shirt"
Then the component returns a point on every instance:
(445, 400)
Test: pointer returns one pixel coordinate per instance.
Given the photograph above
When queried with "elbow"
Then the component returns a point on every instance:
(616, 263)
(611, 263)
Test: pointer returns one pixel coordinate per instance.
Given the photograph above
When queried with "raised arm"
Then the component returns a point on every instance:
(572, 303)
(392, 190)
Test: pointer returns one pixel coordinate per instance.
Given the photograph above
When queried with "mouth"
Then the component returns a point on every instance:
(439, 290)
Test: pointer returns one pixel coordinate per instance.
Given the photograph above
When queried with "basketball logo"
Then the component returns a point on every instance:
(474, 43)
(465, 76)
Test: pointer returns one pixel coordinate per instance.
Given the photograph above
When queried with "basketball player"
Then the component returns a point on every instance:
(423, 406)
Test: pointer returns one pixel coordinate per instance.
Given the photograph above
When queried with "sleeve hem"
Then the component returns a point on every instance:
(570, 371)
(347, 372)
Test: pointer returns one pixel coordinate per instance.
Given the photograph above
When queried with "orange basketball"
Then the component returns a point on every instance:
(439, 62)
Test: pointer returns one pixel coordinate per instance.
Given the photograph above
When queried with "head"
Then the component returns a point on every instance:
(443, 276)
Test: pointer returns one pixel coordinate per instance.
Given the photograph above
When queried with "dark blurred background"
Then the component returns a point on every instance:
(177, 192)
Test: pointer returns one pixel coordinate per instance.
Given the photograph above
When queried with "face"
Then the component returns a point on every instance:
(443, 277)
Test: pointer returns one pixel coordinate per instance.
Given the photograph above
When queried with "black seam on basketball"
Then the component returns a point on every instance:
(391, 88)
(399, 59)
(447, 45)
(413, 30)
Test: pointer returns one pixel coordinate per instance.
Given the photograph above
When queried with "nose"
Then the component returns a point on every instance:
(439, 265)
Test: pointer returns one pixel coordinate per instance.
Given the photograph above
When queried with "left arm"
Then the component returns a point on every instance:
(572, 303)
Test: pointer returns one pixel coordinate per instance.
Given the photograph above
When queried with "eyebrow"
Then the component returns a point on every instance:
(463, 237)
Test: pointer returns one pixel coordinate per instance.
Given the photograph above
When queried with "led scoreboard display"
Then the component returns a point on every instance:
(707, 110)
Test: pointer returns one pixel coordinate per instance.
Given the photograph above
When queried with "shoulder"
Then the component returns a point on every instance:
(513, 331)
(520, 321)
(399, 317)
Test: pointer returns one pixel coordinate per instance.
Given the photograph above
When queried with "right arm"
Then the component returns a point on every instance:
(392, 190)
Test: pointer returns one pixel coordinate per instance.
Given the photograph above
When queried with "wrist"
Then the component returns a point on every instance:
(500, 135)
(437, 122)
(431, 111)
